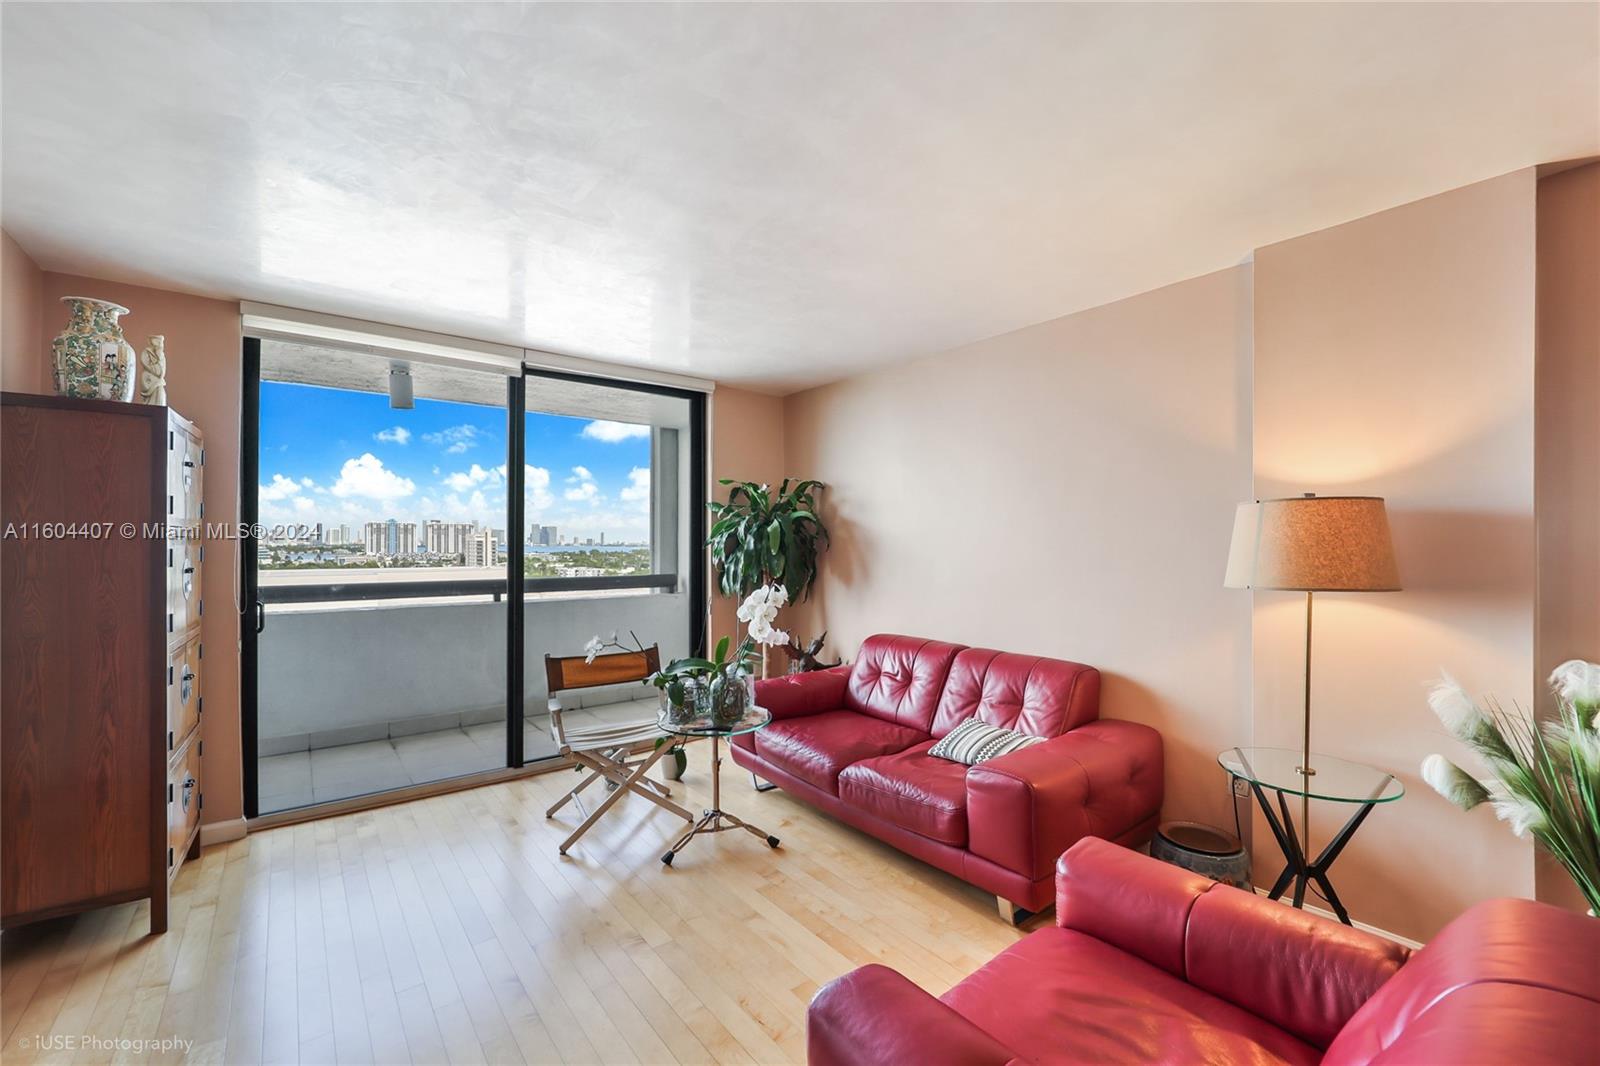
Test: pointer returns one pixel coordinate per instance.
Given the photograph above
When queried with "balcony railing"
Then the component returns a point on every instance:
(350, 590)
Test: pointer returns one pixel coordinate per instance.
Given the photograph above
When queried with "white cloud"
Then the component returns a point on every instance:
(366, 477)
(461, 481)
(280, 489)
(456, 439)
(583, 490)
(614, 432)
(536, 483)
(638, 487)
(397, 435)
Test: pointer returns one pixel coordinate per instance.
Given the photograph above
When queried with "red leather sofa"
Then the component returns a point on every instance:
(853, 741)
(1149, 963)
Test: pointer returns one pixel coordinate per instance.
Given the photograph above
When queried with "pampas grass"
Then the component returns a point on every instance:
(1544, 780)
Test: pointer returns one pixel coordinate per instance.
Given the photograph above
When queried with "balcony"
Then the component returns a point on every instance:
(374, 692)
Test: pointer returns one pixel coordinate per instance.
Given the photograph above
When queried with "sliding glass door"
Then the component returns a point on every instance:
(402, 508)
(608, 546)
(382, 496)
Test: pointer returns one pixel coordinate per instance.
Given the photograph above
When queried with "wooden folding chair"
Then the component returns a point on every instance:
(608, 751)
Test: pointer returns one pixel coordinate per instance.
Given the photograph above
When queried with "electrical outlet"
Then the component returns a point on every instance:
(1241, 788)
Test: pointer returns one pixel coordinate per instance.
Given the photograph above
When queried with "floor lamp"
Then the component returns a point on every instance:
(1312, 544)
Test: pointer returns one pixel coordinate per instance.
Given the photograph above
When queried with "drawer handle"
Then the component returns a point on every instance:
(188, 790)
(187, 688)
(188, 569)
(188, 462)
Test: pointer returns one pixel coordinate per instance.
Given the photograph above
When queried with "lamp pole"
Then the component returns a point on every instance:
(1305, 768)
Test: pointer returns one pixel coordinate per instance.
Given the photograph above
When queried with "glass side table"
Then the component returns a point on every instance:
(715, 819)
(1333, 780)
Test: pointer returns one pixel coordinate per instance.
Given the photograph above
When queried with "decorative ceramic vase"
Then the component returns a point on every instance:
(153, 371)
(93, 360)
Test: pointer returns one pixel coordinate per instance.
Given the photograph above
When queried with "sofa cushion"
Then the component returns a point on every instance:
(898, 679)
(913, 790)
(1033, 695)
(1059, 995)
(817, 747)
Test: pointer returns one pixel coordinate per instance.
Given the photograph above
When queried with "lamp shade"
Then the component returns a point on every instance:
(1313, 544)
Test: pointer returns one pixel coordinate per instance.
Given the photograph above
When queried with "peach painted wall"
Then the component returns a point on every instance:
(1567, 445)
(203, 380)
(1394, 356)
(21, 285)
(1063, 490)
(747, 431)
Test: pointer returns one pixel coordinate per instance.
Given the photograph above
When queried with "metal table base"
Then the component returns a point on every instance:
(714, 819)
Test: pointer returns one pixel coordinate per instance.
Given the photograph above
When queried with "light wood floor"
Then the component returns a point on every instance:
(448, 930)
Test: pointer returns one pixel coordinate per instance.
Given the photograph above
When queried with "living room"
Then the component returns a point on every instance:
(1093, 490)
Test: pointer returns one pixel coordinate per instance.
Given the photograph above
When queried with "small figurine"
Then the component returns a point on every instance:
(804, 660)
(153, 371)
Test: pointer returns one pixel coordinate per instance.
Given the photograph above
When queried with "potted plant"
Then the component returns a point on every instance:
(717, 690)
(764, 543)
(1544, 779)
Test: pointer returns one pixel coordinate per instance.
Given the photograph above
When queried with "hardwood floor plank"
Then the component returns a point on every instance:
(449, 930)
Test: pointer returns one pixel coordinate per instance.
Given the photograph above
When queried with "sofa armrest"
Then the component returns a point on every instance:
(797, 695)
(874, 1016)
(1101, 779)
(1301, 972)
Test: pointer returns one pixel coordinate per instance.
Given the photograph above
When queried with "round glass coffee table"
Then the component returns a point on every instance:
(1331, 779)
(715, 819)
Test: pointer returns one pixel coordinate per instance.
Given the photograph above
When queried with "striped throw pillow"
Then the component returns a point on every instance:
(975, 740)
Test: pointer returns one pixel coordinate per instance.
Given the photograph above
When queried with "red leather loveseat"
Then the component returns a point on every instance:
(1149, 963)
(853, 741)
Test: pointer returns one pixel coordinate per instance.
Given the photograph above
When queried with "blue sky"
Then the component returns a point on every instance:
(336, 456)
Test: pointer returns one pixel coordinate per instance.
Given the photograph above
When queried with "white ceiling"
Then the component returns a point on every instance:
(770, 195)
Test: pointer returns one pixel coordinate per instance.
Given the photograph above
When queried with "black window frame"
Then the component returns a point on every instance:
(515, 586)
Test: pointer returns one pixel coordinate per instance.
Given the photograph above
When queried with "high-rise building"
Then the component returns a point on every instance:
(543, 536)
(372, 540)
(482, 548)
(446, 538)
(398, 538)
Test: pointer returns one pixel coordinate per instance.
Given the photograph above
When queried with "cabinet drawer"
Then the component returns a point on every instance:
(184, 799)
(191, 477)
(184, 668)
(185, 476)
(184, 604)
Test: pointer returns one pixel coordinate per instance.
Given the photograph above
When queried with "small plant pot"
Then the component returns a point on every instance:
(676, 762)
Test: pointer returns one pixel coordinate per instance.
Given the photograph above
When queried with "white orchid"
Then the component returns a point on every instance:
(759, 610)
(593, 648)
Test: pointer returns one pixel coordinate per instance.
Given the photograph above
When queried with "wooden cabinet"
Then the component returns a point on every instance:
(101, 661)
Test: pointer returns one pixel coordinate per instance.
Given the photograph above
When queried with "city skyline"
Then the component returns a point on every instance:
(341, 457)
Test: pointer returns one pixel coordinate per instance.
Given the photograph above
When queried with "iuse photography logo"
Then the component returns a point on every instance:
(128, 1045)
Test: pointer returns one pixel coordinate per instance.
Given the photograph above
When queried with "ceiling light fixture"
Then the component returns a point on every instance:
(400, 395)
